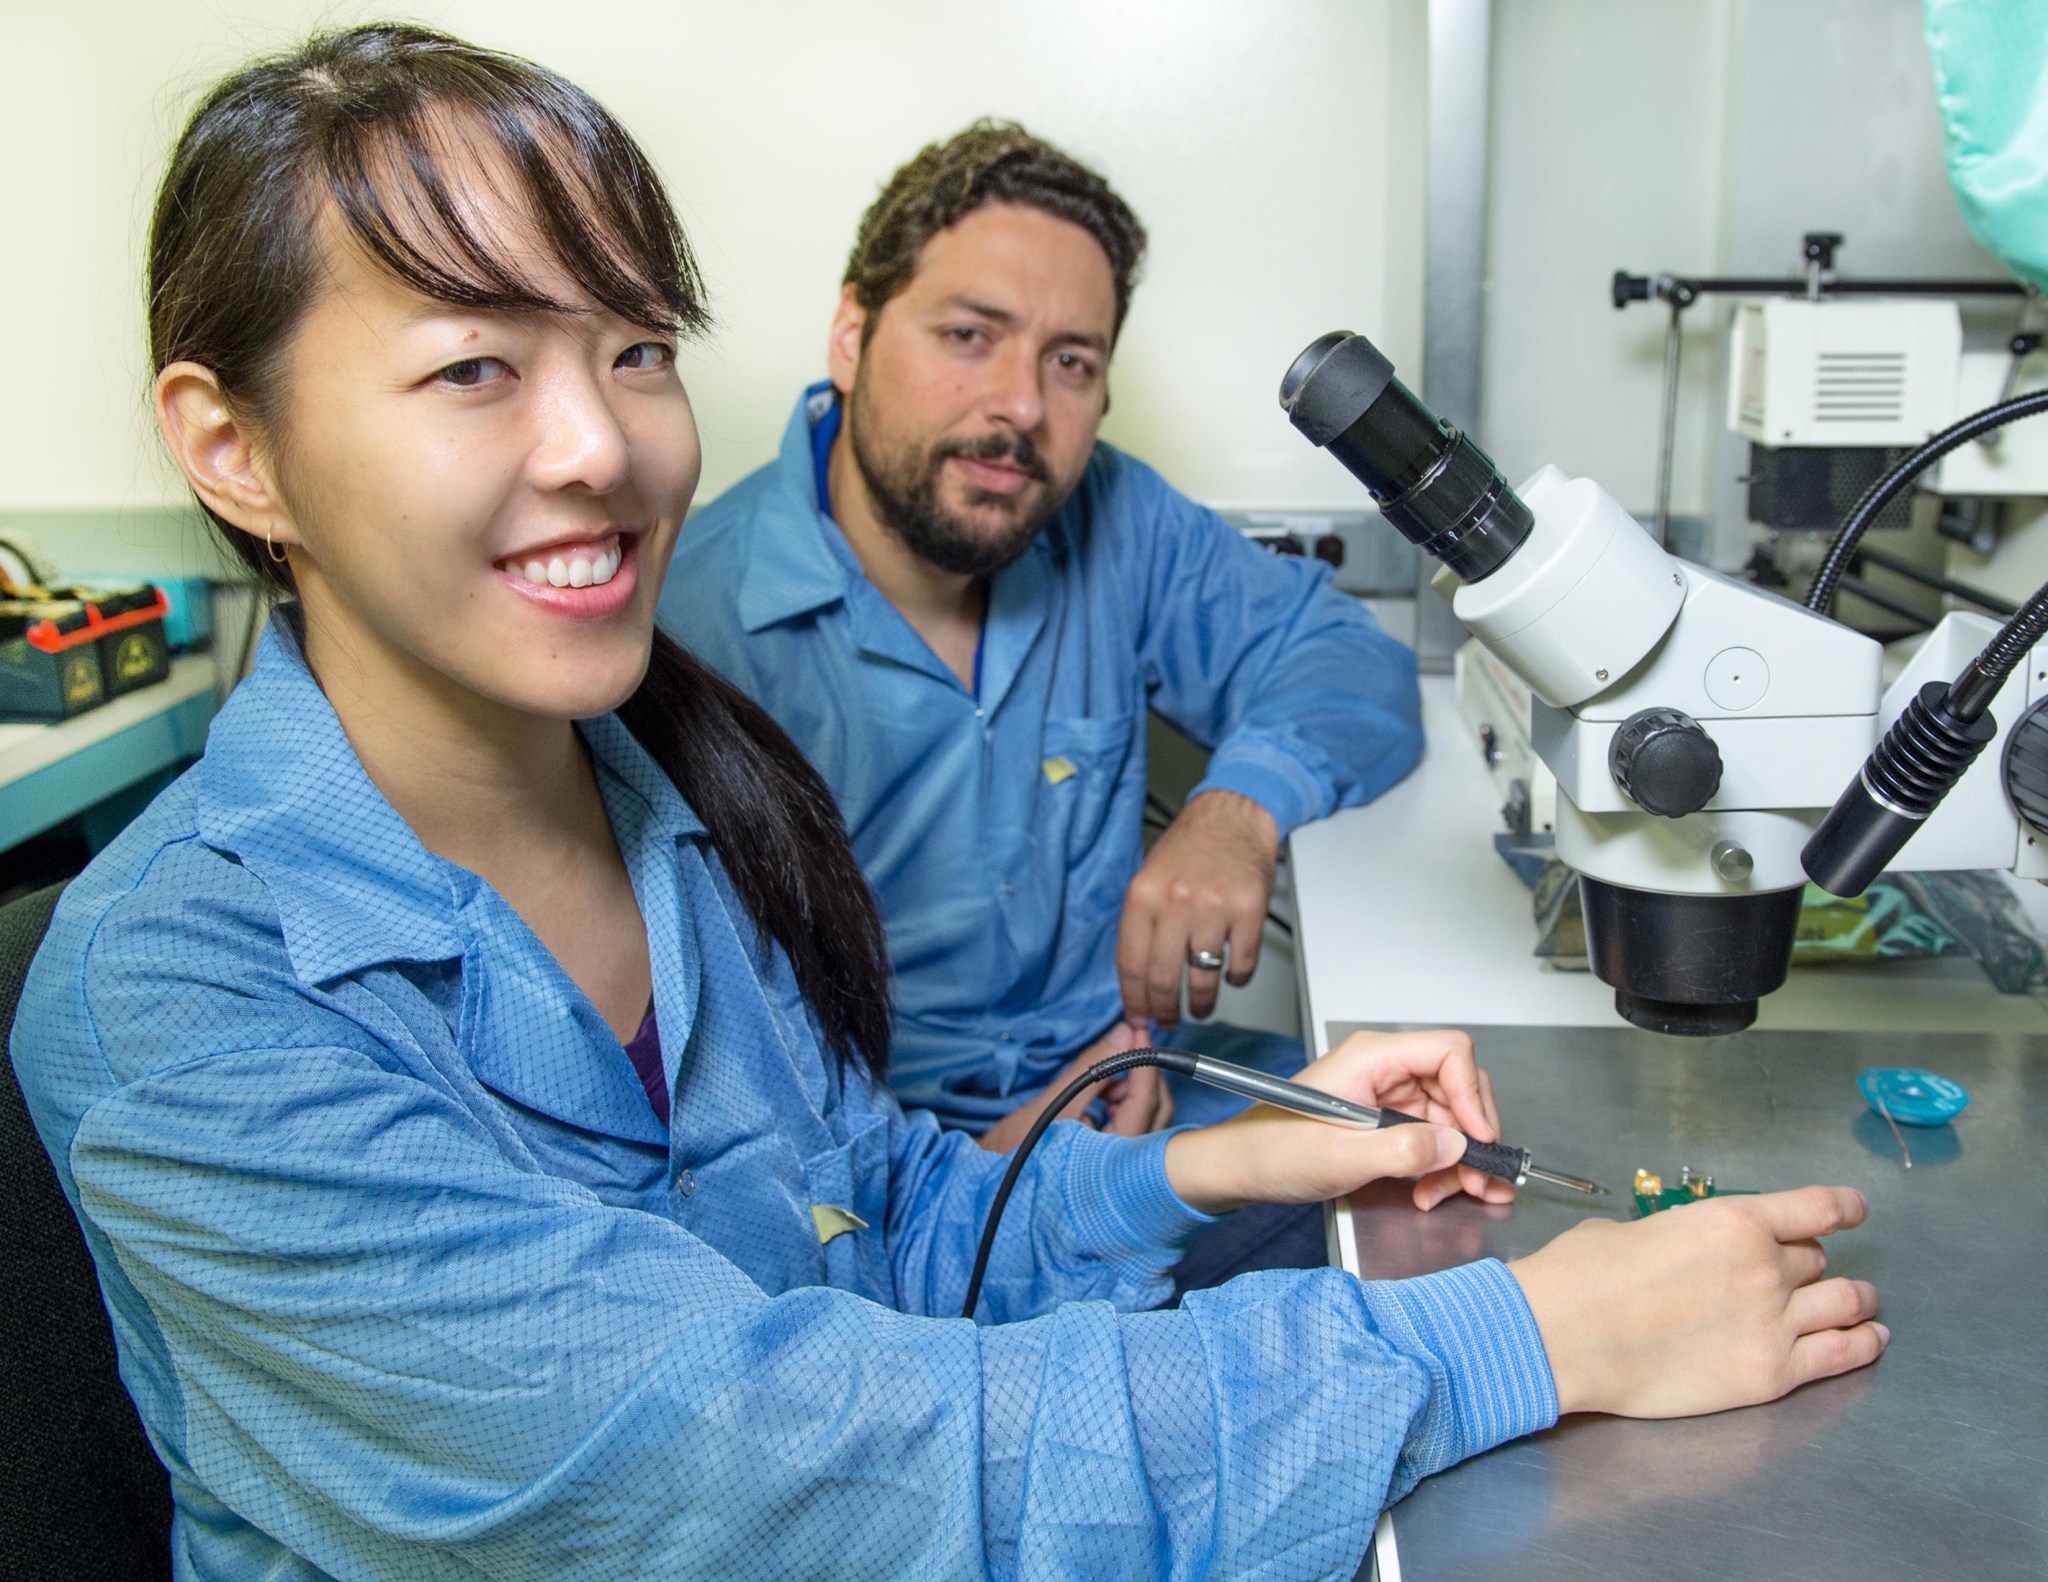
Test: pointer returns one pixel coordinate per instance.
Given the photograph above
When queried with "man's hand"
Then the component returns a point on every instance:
(1701, 1308)
(1137, 1101)
(1273, 1156)
(1203, 891)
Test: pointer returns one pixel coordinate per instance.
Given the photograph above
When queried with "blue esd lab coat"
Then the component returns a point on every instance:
(409, 1281)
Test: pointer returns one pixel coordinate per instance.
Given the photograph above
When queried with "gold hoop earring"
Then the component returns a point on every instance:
(275, 554)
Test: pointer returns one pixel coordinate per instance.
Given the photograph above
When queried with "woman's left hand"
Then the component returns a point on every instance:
(1267, 1155)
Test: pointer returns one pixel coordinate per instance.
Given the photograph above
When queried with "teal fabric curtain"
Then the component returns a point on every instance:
(1991, 83)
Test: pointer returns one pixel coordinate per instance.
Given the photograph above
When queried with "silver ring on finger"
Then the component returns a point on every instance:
(1206, 960)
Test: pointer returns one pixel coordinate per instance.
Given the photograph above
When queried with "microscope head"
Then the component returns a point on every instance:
(1690, 887)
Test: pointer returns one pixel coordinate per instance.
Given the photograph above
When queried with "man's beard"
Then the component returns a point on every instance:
(905, 489)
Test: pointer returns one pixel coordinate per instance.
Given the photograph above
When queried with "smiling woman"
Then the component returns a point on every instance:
(431, 391)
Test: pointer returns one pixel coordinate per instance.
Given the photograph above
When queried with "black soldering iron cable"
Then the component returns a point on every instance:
(1109, 1066)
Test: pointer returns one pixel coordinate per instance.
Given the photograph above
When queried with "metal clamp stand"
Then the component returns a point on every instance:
(1817, 249)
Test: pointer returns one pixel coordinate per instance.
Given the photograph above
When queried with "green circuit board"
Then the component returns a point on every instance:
(1653, 1196)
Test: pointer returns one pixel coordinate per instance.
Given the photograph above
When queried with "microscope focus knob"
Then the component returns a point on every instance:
(1665, 763)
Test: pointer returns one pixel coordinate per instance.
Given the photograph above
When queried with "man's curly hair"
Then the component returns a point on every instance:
(989, 162)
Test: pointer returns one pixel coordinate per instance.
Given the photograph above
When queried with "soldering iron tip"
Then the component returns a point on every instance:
(1573, 1183)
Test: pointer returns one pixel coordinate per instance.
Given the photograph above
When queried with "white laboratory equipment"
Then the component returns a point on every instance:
(1701, 730)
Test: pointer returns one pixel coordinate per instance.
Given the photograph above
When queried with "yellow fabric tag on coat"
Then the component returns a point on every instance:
(833, 1222)
(1058, 769)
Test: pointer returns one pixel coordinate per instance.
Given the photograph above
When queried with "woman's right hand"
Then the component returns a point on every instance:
(1713, 1305)
(1267, 1155)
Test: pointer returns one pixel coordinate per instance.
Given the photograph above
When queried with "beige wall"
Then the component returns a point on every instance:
(1607, 153)
(1273, 147)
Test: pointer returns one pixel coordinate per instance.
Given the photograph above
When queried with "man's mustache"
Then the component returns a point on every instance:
(1015, 449)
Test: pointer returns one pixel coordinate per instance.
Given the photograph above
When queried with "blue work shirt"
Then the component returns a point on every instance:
(409, 1280)
(1000, 825)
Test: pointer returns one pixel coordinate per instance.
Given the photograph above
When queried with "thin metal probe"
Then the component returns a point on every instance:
(1898, 1136)
(1501, 1160)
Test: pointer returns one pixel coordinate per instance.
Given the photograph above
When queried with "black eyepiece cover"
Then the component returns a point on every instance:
(1331, 384)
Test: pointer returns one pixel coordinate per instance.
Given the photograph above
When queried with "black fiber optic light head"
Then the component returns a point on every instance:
(1928, 749)
(1439, 490)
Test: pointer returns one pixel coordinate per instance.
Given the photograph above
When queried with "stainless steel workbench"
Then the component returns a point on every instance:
(1933, 1464)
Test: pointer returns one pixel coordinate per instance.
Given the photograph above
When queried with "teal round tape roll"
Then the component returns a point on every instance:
(1913, 1098)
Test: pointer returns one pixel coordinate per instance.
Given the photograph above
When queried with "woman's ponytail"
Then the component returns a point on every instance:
(779, 834)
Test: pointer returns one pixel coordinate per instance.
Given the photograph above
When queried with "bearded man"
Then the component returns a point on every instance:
(960, 603)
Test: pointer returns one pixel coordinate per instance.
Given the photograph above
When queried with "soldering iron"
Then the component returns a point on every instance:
(1500, 1160)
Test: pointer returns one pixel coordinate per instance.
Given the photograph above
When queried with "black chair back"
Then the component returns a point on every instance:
(82, 1495)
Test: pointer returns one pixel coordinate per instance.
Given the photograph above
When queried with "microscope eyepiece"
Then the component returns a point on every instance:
(1438, 489)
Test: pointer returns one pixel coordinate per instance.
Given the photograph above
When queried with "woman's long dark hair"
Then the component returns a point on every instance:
(361, 124)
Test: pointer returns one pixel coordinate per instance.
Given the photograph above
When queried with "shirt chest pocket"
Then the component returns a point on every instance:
(848, 1187)
(1082, 768)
